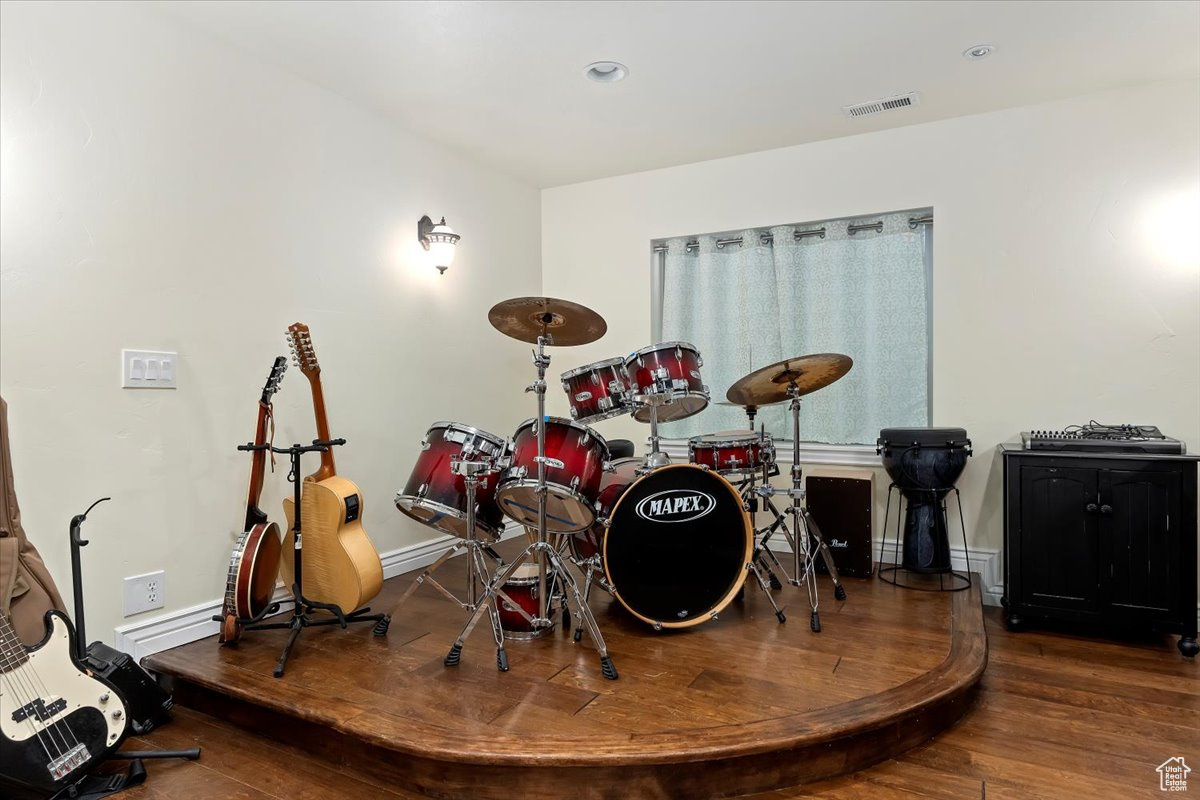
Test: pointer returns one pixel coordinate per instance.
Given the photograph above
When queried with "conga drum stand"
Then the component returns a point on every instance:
(541, 551)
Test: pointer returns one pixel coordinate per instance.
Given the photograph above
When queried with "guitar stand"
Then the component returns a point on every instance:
(301, 605)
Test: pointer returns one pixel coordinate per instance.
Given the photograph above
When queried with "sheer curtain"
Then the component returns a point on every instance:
(746, 306)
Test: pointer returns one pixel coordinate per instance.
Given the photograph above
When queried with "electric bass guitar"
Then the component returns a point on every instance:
(57, 719)
(341, 565)
(250, 582)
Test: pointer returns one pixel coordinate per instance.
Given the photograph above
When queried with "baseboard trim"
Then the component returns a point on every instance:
(145, 637)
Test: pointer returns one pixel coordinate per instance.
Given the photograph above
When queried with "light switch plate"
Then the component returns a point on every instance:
(149, 369)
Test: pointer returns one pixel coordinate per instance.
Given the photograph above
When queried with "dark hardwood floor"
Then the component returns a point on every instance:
(1055, 715)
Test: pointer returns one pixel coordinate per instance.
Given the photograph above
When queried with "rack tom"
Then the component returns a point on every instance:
(437, 497)
(670, 368)
(575, 457)
(732, 452)
(597, 391)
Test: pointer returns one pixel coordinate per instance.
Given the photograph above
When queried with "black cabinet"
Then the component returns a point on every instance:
(1104, 540)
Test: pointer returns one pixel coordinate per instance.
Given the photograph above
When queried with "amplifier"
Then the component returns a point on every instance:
(843, 507)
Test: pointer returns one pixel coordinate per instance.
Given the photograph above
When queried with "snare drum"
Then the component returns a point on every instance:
(732, 452)
(575, 457)
(589, 542)
(522, 590)
(597, 391)
(436, 497)
(673, 368)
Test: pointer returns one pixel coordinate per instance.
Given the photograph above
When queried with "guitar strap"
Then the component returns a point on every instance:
(271, 437)
(93, 787)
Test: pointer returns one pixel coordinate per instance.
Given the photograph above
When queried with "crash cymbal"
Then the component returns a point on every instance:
(770, 384)
(527, 318)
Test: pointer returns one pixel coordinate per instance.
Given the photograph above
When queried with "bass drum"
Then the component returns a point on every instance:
(677, 546)
(589, 541)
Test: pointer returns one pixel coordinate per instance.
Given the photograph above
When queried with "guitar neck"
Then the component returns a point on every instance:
(12, 653)
(258, 466)
(327, 469)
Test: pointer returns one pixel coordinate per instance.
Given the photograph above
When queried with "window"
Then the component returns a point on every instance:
(855, 286)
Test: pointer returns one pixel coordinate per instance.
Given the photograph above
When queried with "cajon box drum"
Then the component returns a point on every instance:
(842, 506)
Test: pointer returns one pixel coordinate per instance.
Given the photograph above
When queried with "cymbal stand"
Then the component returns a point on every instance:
(302, 605)
(546, 555)
(477, 568)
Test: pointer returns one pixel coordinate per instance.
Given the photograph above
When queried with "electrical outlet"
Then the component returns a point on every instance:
(144, 593)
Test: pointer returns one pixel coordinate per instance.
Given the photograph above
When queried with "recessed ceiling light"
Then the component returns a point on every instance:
(606, 71)
(978, 51)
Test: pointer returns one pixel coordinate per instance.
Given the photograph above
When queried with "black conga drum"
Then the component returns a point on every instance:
(924, 464)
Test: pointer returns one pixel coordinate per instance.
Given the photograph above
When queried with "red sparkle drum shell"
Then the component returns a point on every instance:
(589, 542)
(575, 457)
(522, 590)
(732, 452)
(436, 497)
(678, 365)
(597, 391)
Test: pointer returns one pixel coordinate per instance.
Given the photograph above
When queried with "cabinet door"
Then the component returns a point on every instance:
(1140, 530)
(1058, 552)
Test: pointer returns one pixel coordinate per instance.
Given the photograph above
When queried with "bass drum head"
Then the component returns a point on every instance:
(677, 546)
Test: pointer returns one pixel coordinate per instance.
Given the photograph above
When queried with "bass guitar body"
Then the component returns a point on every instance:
(58, 721)
(341, 565)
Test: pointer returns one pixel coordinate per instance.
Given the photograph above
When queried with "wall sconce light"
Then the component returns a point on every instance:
(439, 239)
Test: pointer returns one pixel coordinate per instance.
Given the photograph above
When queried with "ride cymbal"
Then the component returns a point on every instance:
(527, 318)
(771, 383)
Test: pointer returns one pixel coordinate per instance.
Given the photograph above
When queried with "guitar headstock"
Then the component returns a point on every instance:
(274, 379)
(302, 350)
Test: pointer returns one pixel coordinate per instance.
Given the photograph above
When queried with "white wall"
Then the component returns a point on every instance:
(1051, 306)
(163, 191)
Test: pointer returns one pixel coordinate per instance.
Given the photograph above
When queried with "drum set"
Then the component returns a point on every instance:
(672, 543)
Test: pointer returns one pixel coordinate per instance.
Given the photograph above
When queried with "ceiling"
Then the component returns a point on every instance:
(502, 82)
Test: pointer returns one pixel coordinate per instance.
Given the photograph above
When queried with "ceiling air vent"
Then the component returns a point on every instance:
(886, 104)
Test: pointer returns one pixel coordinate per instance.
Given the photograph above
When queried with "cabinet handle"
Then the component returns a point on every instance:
(1106, 509)
(1092, 508)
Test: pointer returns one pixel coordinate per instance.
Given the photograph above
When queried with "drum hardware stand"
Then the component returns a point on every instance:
(542, 550)
(803, 526)
(301, 605)
(893, 572)
(655, 457)
(476, 550)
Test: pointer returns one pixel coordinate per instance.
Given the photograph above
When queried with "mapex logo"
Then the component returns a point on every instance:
(676, 505)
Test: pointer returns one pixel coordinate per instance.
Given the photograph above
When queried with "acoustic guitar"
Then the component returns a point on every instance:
(341, 565)
(58, 720)
(250, 582)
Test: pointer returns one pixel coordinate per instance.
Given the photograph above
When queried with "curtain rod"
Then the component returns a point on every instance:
(767, 238)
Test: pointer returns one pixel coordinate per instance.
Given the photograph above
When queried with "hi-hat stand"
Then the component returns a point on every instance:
(301, 605)
(542, 551)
